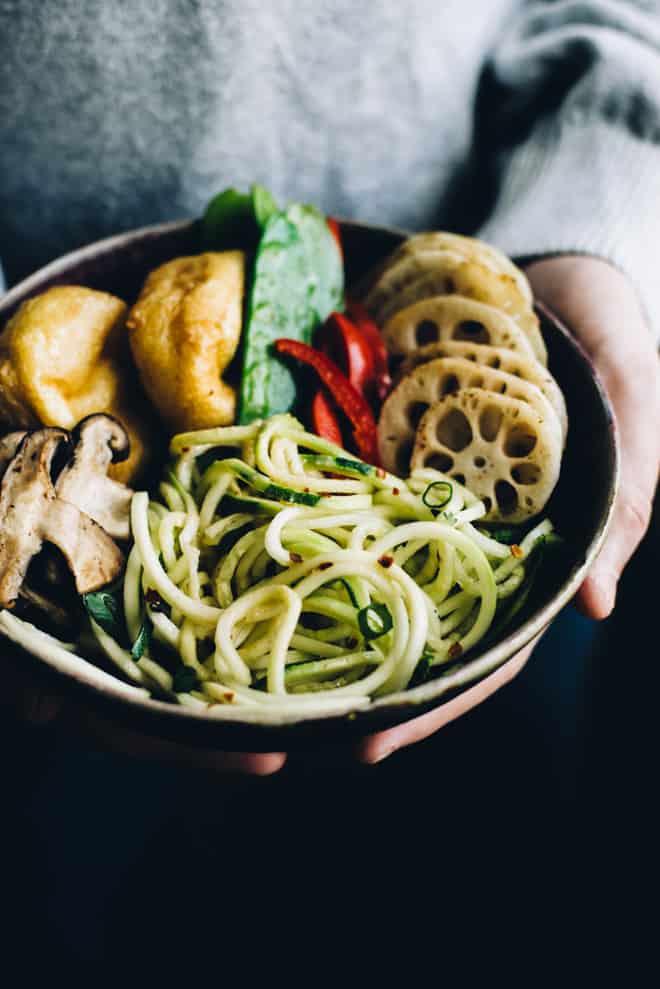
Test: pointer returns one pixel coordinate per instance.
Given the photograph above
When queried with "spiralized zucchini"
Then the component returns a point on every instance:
(275, 569)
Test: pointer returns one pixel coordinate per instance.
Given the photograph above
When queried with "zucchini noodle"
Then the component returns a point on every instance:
(273, 569)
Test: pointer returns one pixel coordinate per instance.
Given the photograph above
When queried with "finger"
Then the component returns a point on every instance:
(377, 747)
(634, 395)
(128, 742)
(632, 513)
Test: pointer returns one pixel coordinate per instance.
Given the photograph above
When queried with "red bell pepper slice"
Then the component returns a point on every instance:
(351, 402)
(343, 343)
(371, 333)
(324, 419)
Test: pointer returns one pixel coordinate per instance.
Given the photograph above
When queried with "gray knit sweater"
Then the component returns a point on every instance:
(536, 125)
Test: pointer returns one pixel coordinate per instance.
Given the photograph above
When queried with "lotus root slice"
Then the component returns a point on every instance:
(470, 248)
(443, 318)
(449, 275)
(498, 446)
(500, 358)
(405, 406)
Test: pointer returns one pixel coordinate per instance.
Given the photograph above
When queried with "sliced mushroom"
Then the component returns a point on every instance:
(32, 514)
(100, 440)
(9, 444)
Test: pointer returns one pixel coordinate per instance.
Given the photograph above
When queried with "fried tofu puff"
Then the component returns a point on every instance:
(63, 356)
(184, 330)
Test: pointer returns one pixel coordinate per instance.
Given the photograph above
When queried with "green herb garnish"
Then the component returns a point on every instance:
(438, 494)
(374, 620)
(142, 640)
(104, 608)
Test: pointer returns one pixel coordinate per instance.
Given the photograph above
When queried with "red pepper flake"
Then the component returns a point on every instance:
(517, 552)
(185, 449)
(325, 566)
(229, 696)
(455, 650)
(395, 491)
(386, 561)
(295, 557)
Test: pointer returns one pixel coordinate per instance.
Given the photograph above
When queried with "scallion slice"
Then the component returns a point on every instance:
(374, 620)
(438, 494)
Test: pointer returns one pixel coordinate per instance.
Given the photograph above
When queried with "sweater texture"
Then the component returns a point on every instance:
(535, 125)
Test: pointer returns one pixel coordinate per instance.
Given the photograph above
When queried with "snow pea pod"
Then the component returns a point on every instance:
(297, 282)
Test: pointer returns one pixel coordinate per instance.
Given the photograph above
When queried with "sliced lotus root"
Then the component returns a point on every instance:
(498, 446)
(470, 248)
(441, 318)
(496, 357)
(399, 272)
(405, 406)
(444, 273)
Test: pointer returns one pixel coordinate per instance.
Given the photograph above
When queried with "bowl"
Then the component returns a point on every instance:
(580, 507)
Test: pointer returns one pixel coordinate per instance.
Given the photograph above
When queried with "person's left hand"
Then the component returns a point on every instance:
(601, 307)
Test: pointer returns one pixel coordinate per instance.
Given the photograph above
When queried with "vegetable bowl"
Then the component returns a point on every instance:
(580, 507)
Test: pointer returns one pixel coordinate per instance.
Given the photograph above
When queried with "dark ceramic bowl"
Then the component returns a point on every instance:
(580, 508)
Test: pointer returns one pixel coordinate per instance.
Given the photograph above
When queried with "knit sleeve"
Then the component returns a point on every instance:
(570, 123)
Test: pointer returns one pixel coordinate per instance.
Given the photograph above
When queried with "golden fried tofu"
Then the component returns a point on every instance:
(63, 356)
(183, 331)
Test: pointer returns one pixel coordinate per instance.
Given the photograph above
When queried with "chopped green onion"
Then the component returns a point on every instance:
(442, 496)
(374, 620)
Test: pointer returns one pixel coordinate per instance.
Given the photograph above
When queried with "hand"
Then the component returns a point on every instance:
(601, 307)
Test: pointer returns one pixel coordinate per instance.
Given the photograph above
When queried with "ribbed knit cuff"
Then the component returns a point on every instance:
(585, 187)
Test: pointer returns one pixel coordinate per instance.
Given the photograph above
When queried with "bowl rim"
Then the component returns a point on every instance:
(86, 674)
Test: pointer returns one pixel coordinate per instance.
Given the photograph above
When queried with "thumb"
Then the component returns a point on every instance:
(630, 521)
